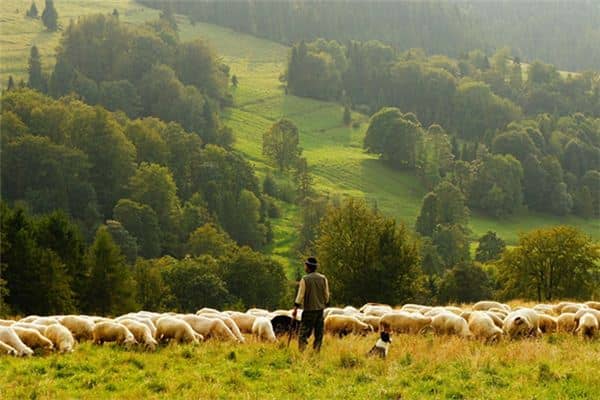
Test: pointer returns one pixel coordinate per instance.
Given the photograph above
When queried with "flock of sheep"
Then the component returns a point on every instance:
(488, 321)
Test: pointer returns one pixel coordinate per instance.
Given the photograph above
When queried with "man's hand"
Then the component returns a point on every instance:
(294, 313)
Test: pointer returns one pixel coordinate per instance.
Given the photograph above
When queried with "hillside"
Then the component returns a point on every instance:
(334, 152)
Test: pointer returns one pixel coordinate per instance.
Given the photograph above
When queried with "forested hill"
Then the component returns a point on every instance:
(561, 32)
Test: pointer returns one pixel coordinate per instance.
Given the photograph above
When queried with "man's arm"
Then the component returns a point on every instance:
(326, 292)
(300, 297)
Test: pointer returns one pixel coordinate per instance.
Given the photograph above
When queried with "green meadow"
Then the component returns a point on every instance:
(334, 152)
(418, 367)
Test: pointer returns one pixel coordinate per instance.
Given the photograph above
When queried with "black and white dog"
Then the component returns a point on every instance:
(382, 346)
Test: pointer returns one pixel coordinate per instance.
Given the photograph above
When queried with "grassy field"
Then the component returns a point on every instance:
(418, 367)
(334, 151)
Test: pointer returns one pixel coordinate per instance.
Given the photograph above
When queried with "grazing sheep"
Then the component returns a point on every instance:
(174, 328)
(547, 323)
(263, 330)
(378, 305)
(230, 323)
(33, 339)
(8, 350)
(259, 312)
(453, 309)
(450, 324)
(332, 311)
(584, 311)
(566, 323)
(371, 320)
(557, 308)
(344, 324)
(483, 327)
(112, 332)
(29, 318)
(497, 318)
(593, 304)
(486, 305)
(502, 313)
(207, 310)
(404, 322)
(243, 321)
(588, 326)
(6, 322)
(140, 332)
(47, 321)
(9, 337)
(209, 327)
(521, 323)
(415, 308)
(40, 328)
(142, 318)
(573, 308)
(377, 310)
(81, 328)
(547, 309)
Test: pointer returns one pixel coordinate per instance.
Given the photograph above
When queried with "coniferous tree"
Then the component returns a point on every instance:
(33, 11)
(11, 83)
(50, 16)
(111, 288)
(36, 78)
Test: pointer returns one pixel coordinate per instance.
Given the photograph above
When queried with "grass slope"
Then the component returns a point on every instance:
(18, 33)
(418, 367)
(334, 152)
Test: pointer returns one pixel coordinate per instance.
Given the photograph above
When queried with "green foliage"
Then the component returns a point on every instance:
(445, 205)
(464, 283)
(127, 243)
(36, 79)
(48, 177)
(208, 239)
(151, 292)
(269, 185)
(496, 187)
(147, 71)
(478, 109)
(111, 288)
(347, 116)
(50, 16)
(280, 144)
(194, 283)
(395, 137)
(452, 244)
(141, 221)
(33, 11)
(256, 280)
(490, 247)
(548, 264)
(366, 256)
(312, 72)
(36, 274)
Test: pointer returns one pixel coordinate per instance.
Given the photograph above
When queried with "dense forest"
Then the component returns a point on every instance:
(504, 140)
(121, 188)
(562, 32)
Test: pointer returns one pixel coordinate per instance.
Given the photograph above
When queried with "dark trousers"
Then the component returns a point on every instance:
(311, 321)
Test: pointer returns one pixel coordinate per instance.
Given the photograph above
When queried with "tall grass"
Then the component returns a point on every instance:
(418, 367)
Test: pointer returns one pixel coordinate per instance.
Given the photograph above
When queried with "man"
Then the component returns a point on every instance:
(313, 297)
